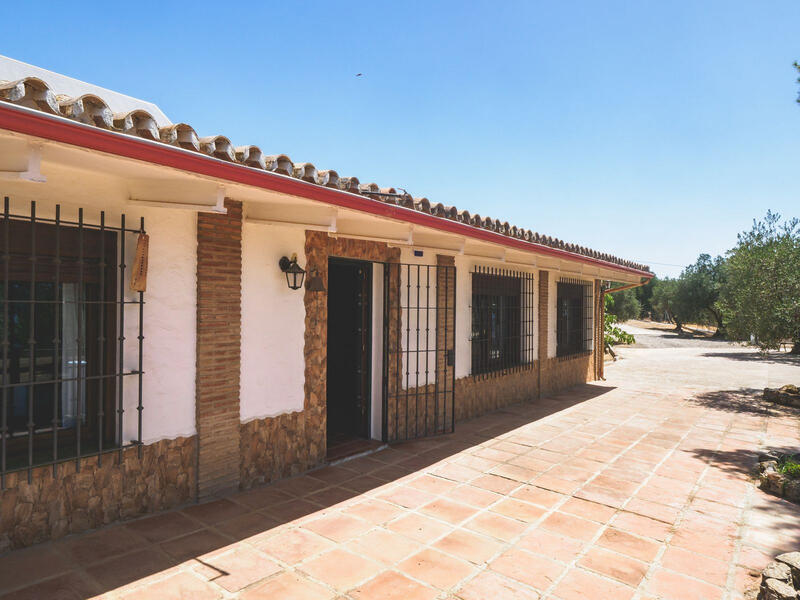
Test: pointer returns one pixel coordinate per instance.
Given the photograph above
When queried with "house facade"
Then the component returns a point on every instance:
(182, 317)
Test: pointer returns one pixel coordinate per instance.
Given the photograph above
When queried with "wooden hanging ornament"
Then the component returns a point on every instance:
(139, 274)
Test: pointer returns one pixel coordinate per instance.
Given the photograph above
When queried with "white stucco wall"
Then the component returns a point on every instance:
(273, 324)
(170, 334)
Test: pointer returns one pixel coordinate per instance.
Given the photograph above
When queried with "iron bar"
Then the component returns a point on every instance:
(6, 374)
(32, 343)
(56, 340)
(80, 361)
(121, 341)
(139, 407)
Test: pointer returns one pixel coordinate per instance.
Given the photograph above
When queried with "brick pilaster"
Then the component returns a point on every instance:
(542, 325)
(219, 320)
(445, 335)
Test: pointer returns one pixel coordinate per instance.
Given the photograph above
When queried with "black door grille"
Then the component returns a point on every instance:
(419, 317)
(63, 339)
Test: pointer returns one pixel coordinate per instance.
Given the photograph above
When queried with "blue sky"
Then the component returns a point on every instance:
(652, 130)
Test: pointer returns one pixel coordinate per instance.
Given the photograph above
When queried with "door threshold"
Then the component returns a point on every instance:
(357, 451)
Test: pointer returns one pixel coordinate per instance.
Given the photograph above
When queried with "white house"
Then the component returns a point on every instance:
(290, 316)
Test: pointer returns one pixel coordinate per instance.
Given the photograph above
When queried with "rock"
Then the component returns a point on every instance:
(768, 465)
(772, 481)
(792, 560)
(773, 589)
(789, 389)
(777, 570)
(791, 490)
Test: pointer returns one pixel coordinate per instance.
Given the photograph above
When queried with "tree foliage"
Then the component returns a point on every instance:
(624, 305)
(698, 290)
(612, 333)
(761, 299)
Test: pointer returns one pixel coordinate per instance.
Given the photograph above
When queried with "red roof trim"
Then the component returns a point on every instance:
(29, 122)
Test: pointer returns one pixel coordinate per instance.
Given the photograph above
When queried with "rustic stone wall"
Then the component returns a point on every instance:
(476, 396)
(219, 323)
(274, 448)
(73, 501)
(566, 371)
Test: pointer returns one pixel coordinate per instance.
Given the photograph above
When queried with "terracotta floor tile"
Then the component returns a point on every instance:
(163, 527)
(556, 484)
(629, 545)
(587, 510)
(333, 475)
(384, 545)
(296, 510)
(580, 585)
(517, 509)
(391, 585)
(695, 565)
(99, 545)
(536, 571)
(539, 496)
(457, 473)
(180, 586)
(432, 484)
(338, 527)
(673, 586)
(247, 525)
(448, 510)
(552, 545)
(514, 472)
(496, 526)
(236, 569)
(263, 497)
(489, 586)
(642, 526)
(287, 585)
(469, 546)
(571, 526)
(194, 545)
(436, 569)
(419, 528)
(129, 568)
(709, 544)
(654, 510)
(376, 511)
(295, 545)
(408, 497)
(331, 496)
(466, 494)
(493, 483)
(215, 511)
(341, 569)
(70, 586)
(626, 570)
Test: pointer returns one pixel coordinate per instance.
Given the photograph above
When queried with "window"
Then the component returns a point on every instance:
(573, 317)
(502, 320)
(60, 314)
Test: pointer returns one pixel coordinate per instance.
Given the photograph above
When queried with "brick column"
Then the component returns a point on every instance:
(219, 320)
(542, 326)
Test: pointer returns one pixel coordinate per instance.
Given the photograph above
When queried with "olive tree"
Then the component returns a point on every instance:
(761, 297)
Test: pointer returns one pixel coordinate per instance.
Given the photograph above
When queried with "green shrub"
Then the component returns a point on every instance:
(790, 466)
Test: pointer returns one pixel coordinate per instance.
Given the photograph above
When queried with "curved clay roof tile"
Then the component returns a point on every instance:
(367, 188)
(137, 122)
(250, 156)
(305, 171)
(328, 178)
(422, 205)
(30, 92)
(88, 109)
(181, 135)
(279, 163)
(464, 216)
(218, 146)
(349, 184)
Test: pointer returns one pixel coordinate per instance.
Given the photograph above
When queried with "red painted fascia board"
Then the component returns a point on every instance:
(59, 129)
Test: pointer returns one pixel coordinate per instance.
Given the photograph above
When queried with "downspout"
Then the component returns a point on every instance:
(645, 281)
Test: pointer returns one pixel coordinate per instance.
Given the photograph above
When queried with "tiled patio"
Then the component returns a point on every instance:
(636, 487)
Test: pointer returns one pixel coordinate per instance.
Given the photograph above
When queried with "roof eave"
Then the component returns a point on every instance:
(56, 128)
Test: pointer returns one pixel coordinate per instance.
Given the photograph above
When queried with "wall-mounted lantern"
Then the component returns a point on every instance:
(294, 272)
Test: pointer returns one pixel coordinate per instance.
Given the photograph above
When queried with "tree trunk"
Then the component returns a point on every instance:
(795, 348)
(720, 332)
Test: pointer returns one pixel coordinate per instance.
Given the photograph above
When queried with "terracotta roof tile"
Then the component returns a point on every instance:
(91, 110)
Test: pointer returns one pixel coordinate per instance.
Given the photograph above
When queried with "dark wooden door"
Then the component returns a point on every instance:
(349, 348)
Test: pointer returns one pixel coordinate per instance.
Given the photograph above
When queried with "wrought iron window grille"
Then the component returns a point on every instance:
(63, 308)
(574, 317)
(503, 321)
